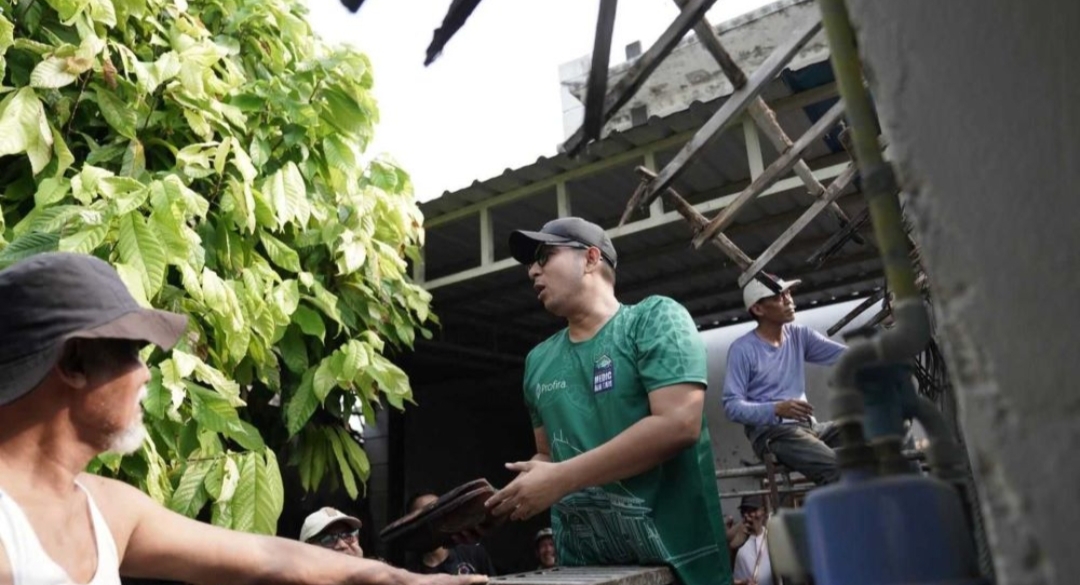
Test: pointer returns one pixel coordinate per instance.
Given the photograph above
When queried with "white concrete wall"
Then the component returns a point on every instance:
(981, 102)
(690, 73)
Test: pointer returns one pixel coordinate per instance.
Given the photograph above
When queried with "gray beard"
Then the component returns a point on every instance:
(128, 440)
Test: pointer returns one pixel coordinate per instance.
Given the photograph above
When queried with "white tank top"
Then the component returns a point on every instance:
(30, 565)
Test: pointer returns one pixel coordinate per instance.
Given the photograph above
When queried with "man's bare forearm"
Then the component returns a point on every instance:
(641, 447)
(298, 563)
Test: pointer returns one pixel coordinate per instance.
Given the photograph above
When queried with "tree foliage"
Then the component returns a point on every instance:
(212, 151)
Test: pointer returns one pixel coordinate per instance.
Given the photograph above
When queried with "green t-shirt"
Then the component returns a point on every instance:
(586, 393)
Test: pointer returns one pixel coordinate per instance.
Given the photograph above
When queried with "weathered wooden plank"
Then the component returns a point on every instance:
(697, 221)
(771, 174)
(643, 67)
(598, 71)
(730, 111)
(835, 188)
(859, 310)
(762, 115)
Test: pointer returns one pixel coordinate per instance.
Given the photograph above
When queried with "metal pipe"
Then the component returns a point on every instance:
(944, 456)
(912, 330)
(878, 180)
(910, 334)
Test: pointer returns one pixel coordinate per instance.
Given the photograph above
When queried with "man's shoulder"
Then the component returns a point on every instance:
(547, 345)
(118, 502)
(655, 303)
(744, 342)
(655, 312)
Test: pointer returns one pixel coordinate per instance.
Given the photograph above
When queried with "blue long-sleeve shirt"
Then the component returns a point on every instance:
(760, 375)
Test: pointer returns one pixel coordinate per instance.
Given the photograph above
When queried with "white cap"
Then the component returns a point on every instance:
(317, 522)
(755, 290)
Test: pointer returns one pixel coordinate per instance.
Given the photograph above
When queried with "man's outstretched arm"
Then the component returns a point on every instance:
(158, 543)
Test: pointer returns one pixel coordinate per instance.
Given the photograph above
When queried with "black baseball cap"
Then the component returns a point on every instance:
(523, 244)
(752, 502)
(50, 298)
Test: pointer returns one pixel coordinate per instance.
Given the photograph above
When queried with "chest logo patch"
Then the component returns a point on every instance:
(603, 374)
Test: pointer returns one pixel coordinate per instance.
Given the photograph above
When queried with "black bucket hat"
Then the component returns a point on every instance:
(50, 298)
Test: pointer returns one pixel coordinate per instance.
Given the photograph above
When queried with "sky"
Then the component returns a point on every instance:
(492, 100)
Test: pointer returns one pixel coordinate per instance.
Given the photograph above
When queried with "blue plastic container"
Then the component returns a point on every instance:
(894, 530)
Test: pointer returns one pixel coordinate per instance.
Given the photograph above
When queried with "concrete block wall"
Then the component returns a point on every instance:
(981, 103)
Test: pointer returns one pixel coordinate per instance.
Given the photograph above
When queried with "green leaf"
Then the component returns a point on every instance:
(140, 248)
(214, 477)
(343, 463)
(24, 128)
(64, 158)
(213, 411)
(279, 253)
(190, 495)
(325, 300)
(243, 500)
(310, 322)
(51, 191)
(118, 114)
(288, 196)
(357, 458)
(157, 481)
(230, 478)
(103, 11)
(285, 301)
(302, 404)
(85, 185)
(293, 350)
(270, 498)
(325, 380)
(247, 436)
(339, 153)
(157, 396)
(355, 358)
(28, 245)
(134, 163)
(7, 37)
(133, 278)
(53, 73)
(84, 241)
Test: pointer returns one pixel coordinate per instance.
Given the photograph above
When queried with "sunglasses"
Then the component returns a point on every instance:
(543, 253)
(331, 539)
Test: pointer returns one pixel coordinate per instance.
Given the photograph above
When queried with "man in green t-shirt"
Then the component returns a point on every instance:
(623, 455)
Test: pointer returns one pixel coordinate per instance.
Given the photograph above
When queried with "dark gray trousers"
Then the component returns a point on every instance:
(806, 448)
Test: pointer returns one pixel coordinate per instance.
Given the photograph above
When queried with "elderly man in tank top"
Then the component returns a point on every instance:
(71, 381)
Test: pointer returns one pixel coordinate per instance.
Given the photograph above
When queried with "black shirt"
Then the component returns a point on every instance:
(463, 559)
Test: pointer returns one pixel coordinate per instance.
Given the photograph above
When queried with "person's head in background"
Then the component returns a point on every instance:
(544, 547)
(754, 513)
(332, 529)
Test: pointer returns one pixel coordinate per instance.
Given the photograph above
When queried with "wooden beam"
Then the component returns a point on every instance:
(730, 111)
(598, 71)
(834, 190)
(641, 69)
(859, 310)
(697, 221)
(772, 173)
